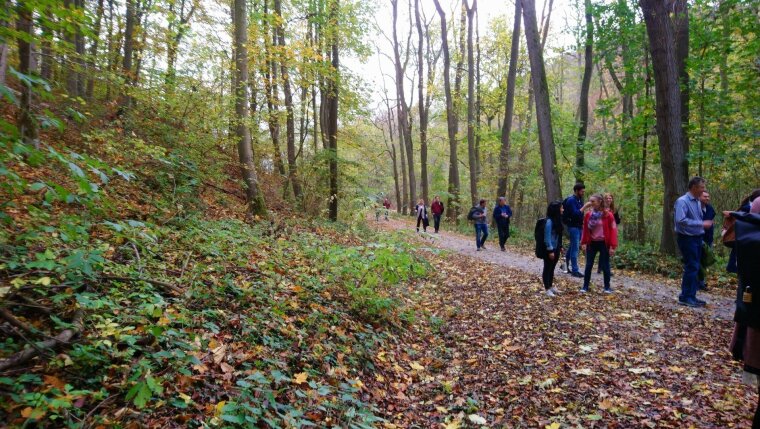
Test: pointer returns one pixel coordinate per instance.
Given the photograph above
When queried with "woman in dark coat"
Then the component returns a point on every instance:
(745, 344)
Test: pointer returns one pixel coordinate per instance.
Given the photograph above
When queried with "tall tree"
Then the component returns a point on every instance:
(506, 127)
(403, 111)
(288, 98)
(272, 90)
(26, 122)
(4, 45)
(543, 109)
(451, 121)
(421, 103)
(180, 14)
(129, 44)
(332, 100)
(94, 50)
(580, 157)
(673, 149)
(254, 199)
(471, 102)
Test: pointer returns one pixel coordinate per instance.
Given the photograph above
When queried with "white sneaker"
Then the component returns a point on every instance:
(550, 293)
(555, 290)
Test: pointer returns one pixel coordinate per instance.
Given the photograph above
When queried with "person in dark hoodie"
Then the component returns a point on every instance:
(502, 214)
(745, 341)
(437, 209)
(553, 241)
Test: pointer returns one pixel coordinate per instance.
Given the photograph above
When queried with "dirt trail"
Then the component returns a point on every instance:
(655, 289)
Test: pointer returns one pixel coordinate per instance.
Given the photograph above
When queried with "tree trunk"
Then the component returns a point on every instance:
(588, 69)
(273, 93)
(406, 208)
(111, 61)
(672, 143)
(477, 95)
(25, 121)
(80, 52)
(681, 27)
(289, 119)
(94, 51)
(471, 103)
(543, 109)
(332, 98)
(509, 108)
(422, 105)
(256, 205)
(129, 44)
(403, 111)
(641, 231)
(451, 122)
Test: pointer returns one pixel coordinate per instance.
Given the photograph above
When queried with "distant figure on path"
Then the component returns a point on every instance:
(422, 215)
(387, 205)
(437, 209)
(502, 214)
(690, 228)
(573, 218)
(745, 342)
(553, 241)
(478, 216)
(599, 236)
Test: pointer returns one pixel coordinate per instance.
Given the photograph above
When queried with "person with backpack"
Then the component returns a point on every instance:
(573, 219)
(599, 235)
(478, 215)
(422, 215)
(437, 209)
(548, 235)
(502, 214)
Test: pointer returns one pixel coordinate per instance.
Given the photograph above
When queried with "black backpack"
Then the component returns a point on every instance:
(567, 215)
(471, 214)
(538, 232)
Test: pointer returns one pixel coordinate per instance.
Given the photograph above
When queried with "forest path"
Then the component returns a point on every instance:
(488, 348)
(634, 285)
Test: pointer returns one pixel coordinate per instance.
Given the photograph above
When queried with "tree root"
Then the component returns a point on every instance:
(38, 348)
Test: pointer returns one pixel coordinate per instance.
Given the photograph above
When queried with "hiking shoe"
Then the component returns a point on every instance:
(479, 249)
(700, 302)
(576, 274)
(608, 290)
(550, 293)
(503, 249)
(584, 289)
(555, 290)
(693, 303)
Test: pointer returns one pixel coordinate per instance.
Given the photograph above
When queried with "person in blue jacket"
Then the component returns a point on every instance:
(573, 218)
(502, 214)
(553, 241)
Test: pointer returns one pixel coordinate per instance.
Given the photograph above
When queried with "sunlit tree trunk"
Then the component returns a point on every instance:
(26, 123)
(332, 99)
(403, 111)
(256, 205)
(471, 103)
(506, 127)
(580, 155)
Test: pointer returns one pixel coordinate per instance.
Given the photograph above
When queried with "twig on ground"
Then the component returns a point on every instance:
(39, 348)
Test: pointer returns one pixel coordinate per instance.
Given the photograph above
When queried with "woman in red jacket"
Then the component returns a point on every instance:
(599, 236)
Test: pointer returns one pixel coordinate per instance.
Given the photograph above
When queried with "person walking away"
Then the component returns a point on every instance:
(744, 206)
(573, 218)
(745, 341)
(422, 215)
(437, 209)
(708, 258)
(553, 241)
(387, 205)
(502, 214)
(480, 219)
(599, 236)
(690, 228)
(609, 204)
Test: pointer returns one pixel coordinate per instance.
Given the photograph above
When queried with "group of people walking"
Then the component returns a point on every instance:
(592, 227)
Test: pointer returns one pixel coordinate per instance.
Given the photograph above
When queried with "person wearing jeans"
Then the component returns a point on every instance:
(502, 214)
(690, 228)
(437, 209)
(573, 218)
(553, 242)
(481, 225)
(599, 236)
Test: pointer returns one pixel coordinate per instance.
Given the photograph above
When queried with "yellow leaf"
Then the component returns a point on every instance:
(44, 281)
(218, 408)
(379, 378)
(554, 425)
(416, 366)
(456, 424)
(300, 378)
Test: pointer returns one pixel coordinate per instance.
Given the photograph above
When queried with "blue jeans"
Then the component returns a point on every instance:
(691, 251)
(481, 233)
(572, 250)
(604, 262)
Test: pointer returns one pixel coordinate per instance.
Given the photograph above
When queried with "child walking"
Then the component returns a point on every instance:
(553, 240)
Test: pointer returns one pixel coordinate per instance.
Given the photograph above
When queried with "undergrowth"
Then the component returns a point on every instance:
(186, 321)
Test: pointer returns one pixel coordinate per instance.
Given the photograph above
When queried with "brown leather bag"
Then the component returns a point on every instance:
(728, 234)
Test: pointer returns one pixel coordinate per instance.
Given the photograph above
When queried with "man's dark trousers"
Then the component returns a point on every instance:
(436, 221)
(503, 229)
(691, 251)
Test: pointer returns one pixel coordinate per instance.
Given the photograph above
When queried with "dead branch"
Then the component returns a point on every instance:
(166, 286)
(226, 191)
(30, 353)
(13, 321)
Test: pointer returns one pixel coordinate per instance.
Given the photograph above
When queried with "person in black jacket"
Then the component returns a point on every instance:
(502, 214)
(572, 217)
(745, 341)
